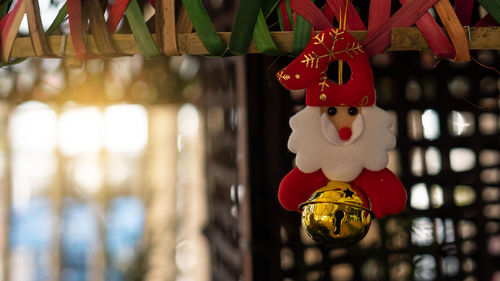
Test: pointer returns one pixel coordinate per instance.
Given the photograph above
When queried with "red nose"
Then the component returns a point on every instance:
(345, 133)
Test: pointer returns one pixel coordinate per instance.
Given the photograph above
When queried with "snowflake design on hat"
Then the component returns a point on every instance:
(312, 59)
(309, 71)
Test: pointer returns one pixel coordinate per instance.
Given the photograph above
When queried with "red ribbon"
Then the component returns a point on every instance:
(9, 26)
(4, 20)
(116, 14)
(463, 10)
(487, 20)
(75, 27)
(327, 11)
(311, 13)
(354, 22)
(434, 35)
(377, 41)
(284, 16)
(380, 12)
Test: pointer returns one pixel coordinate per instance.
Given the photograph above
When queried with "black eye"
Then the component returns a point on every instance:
(352, 110)
(332, 111)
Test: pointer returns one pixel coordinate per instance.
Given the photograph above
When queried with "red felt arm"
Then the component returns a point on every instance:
(384, 190)
(296, 187)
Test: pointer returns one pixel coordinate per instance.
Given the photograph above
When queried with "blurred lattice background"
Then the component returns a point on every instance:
(101, 171)
(446, 116)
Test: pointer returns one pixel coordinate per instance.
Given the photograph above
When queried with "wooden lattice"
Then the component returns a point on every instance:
(258, 27)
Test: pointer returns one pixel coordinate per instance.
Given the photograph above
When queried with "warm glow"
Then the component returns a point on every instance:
(125, 128)
(459, 123)
(32, 127)
(430, 122)
(32, 135)
(80, 131)
(88, 174)
(188, 120)
(419, 198)
(120, 128)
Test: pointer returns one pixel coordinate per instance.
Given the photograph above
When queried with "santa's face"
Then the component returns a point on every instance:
(322, 140)
(341, 124)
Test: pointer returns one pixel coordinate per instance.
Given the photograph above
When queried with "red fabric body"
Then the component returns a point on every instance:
(309, 69)
(383, 189)
(296, 187)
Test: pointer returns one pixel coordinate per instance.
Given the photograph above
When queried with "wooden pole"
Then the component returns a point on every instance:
(5, 194)
(160, 230)
(166, 26)
(403, 39)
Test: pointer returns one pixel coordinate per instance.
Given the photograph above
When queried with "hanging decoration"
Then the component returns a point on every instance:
(341, 139)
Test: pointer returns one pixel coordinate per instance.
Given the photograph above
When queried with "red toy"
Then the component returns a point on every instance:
(341, 135)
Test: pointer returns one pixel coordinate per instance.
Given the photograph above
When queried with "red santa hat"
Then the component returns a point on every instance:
(309, 71)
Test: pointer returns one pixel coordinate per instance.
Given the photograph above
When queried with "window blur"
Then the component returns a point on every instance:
(99, 167)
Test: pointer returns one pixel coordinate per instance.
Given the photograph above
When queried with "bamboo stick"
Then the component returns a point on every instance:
(183, 23)
(403, 39)
(454, 28)
(36, 28)
(166, 27)
(98, 26)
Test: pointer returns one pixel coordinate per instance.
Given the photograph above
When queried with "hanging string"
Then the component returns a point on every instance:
(342, 25)
(345, 14)
(492, 103)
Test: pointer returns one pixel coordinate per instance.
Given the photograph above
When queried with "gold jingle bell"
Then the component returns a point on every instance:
(335, 215)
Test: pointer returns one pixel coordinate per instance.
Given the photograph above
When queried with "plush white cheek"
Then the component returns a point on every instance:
(357, 129)
(330, 132)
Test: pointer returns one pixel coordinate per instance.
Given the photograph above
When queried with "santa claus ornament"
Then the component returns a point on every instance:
(341, 139)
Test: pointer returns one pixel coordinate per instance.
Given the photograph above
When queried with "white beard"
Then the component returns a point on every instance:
(343, 161)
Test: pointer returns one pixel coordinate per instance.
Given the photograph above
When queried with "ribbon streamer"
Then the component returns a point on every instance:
(463, 10)
(311, 13)
(377, 41)
(75, 27)
(353, 20)
(9, 27)
(116, 14)
(454, 28)
(284, 15)
(380, 12)
(434, 35)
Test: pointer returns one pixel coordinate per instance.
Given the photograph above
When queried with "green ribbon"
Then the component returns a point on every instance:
(302, 35)
(204, 27)
(140, 30)
(492, 6)
(61, 16)
(243, 27)
(4, 8)
(269, 6)
(262, 37)
(289, 14)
